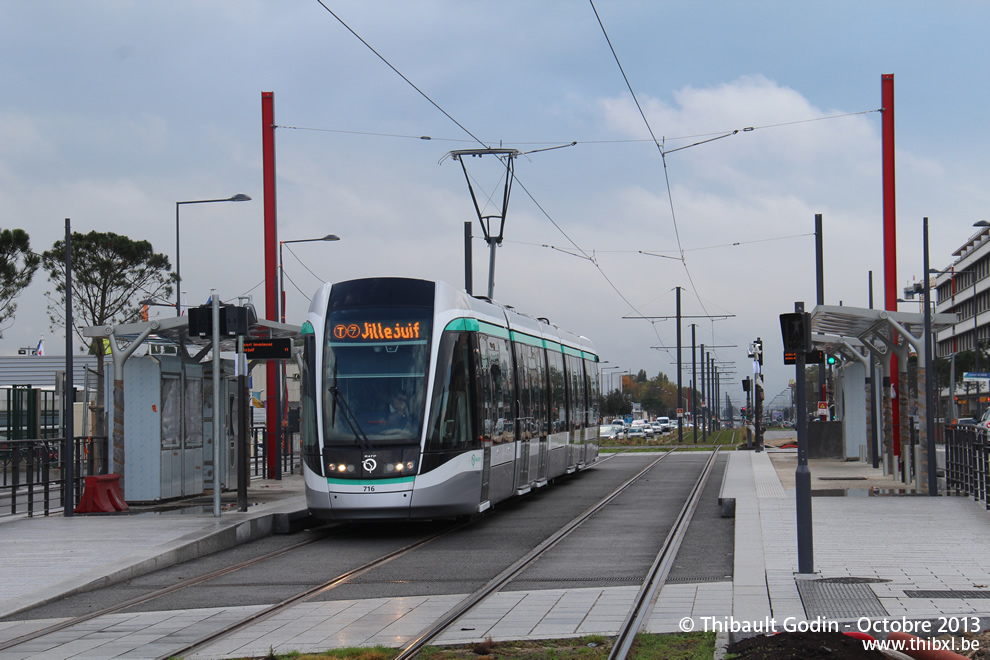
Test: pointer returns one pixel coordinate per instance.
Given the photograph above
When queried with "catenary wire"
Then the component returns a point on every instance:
(303, 264)
(400, 74)
(557, 144)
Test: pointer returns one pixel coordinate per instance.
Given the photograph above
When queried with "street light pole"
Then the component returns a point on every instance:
(929, 376)
(239, 197)
(281, 271)
(281, 396)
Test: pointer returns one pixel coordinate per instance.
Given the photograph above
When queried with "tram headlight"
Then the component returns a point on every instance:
(389, 467)
(350, 468)
(398, 467)
(409, 465)
(341, 468)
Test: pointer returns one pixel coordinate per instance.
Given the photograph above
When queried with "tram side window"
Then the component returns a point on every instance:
(576, 394)
(594, 393)
(558, 390)
(499, 374)
(308, 423)
(536, 366)
(450, 420)
(528, 390)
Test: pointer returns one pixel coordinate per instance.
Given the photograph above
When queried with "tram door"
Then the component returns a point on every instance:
(485, 422)
(527, 431)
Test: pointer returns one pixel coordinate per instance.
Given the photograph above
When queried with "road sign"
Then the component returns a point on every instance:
(822, 406)
(976, 375)
(268, 349)
(680, 412)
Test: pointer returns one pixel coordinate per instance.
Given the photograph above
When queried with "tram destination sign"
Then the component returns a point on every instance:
(976, 375)
(268, 349)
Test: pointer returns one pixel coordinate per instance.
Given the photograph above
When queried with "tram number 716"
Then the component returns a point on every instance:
(369, 489)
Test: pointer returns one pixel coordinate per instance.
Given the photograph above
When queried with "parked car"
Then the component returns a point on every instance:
(966, 421)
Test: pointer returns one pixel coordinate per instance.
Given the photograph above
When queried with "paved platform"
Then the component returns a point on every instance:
(875, 556)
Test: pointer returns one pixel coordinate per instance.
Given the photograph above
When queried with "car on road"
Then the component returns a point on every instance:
(609, 432)
(645, 425)
(636, 432)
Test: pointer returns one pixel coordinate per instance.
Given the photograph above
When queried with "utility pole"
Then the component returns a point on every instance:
(704, 414)
(679, 317)
(758, 392)
(680, 417)
(694, 380)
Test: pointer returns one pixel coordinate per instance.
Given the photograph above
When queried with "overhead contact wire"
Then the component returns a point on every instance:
(400, 74)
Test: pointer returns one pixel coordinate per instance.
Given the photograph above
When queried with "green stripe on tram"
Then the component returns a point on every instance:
(462, 325)
(474, 325)
(493, 330)
(370, 482)
(523, 338)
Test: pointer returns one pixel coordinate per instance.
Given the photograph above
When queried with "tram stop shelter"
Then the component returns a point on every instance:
(162, 439)
(861, 338)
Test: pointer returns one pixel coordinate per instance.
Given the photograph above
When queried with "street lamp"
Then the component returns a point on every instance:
(282, 394)
(239, 197)
(603, 370)
(281, 272)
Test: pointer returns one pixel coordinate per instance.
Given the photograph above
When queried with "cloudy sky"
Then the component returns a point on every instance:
(111, 112)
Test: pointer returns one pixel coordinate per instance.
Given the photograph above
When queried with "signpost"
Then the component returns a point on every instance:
(796, 332)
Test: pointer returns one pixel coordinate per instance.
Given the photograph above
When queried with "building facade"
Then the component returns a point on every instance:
(963, 289)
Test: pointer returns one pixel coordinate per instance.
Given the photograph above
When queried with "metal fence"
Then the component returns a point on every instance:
(32, 479)
(967, 458)
(259, 457)
(32, 475)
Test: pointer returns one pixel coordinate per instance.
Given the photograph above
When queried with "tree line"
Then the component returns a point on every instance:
(657, 396)
(111, 275)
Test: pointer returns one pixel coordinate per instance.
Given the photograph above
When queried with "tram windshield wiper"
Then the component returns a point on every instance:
(360, 437)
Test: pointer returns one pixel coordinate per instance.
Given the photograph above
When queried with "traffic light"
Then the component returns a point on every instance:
(795, 330)
(831, 359)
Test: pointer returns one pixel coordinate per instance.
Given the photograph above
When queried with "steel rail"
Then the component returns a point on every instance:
(643, 603)
(412, 648)
(304, 596)
(158, 593)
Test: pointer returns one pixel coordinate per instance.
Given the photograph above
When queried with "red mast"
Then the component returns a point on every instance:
(271, 273)
(890, 238)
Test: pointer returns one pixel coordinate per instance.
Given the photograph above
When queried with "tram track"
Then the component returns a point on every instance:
(345, 577)
(151, 596)
(650, 589)
(411, 649)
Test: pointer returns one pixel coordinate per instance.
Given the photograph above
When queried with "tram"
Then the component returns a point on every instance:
(420, 401)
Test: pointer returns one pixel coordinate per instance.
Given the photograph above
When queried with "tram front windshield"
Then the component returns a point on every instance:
(376, 369)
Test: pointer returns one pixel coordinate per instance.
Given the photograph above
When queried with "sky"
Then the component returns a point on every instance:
(112, 112)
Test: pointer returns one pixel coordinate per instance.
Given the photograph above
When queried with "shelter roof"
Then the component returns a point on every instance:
(840, 321)
(175, 329)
